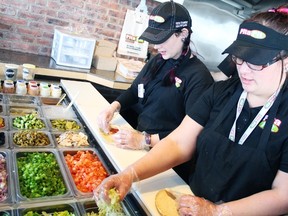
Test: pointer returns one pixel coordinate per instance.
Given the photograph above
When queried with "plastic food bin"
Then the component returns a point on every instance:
(64, 124)
(78, 157)
(14, 127)
(72, 50)
(4, 139)
(50, 208)
(40, 172)
(22, 99)
(6, 196)
(71, 139)
(31, 139)
(20, 110)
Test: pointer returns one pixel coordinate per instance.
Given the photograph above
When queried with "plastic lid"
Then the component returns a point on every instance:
(29, 66)
(12, 66)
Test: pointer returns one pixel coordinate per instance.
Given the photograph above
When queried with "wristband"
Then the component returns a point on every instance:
(147, 145)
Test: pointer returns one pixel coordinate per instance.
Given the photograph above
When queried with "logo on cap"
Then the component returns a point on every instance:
(253, 33)
(157, 19)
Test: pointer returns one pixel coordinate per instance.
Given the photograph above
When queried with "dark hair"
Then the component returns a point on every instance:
(169, 79)
(274, 18)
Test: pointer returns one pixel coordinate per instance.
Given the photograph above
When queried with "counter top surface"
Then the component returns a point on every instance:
(46, 66)
(89, 103)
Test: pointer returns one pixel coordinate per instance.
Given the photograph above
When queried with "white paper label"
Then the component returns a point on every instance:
(141, 90)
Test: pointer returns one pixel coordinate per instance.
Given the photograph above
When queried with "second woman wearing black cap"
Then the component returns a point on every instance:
(167, 86)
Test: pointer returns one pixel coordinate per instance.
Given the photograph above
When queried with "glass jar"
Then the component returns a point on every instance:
(21, 87)
(8, 87)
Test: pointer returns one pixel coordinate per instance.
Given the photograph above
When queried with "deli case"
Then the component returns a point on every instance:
(48, 162)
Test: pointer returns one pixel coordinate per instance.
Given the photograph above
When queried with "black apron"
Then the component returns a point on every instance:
(227, 171)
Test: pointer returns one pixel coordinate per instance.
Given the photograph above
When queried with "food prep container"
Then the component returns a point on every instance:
(51, 101)
(3, 109)
(49, 208)
(22, 99)
(39, 176)
(7, 192)
(89, 206)
(30, 139)
(38, 123)
(64, 124)
(4, 139)
(7, 212)
(4, 123)
(89, 170)
(22, 109)
(3, 98)
(71, 139)
(54, 112)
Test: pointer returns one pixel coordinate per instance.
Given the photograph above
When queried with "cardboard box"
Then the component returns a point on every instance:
(129, 68)
(104, 63)
(105, 48)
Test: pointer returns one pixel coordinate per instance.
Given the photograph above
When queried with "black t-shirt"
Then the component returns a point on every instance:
(212, 102)
(164, 106)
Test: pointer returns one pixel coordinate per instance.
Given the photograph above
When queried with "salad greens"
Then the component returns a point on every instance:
(112, 209)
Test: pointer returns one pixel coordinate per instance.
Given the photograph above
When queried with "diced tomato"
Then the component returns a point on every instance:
(86, 169)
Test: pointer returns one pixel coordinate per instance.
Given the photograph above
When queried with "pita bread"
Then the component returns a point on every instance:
(166, 204)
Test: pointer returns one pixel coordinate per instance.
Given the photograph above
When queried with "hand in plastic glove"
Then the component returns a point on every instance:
(121, 182)
(129, 139)
(106, 116)
(196, 206)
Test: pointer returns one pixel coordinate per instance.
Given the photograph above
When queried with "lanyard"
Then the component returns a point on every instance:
(255, 121)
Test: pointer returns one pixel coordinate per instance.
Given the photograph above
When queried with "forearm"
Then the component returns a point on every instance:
(150, 165)
(177, 147)
(264, 203)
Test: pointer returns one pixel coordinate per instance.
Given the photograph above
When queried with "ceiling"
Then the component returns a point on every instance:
(243, 8)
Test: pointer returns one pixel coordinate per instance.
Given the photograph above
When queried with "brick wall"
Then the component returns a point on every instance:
(28, 25)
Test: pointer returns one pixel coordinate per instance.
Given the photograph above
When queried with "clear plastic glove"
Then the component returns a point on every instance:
(104, 119)
(197, 206)
(129, 139)
(122, 182)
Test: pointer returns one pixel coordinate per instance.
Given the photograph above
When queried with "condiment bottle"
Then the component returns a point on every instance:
(21, 87)
(8, 87)
(45, 91)
(33, 90)
(31, 83)
(27, 72)
(56, 91)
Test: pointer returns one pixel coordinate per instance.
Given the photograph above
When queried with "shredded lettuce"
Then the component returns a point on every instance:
(112, 209)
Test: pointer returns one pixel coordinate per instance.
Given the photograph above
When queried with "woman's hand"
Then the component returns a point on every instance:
(197, 206)
(129, 139)
(106, 116)
(121, 182)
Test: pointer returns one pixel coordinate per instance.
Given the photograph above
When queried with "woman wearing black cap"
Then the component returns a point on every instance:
(167, 86)
(237, 131)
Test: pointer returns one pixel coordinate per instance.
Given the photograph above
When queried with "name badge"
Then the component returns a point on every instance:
(141, 90)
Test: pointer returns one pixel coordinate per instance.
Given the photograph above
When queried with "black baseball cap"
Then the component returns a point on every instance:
(164, 20)
(257, 44)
